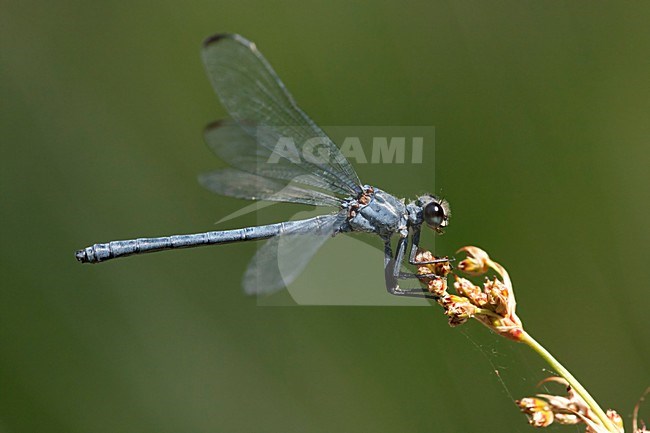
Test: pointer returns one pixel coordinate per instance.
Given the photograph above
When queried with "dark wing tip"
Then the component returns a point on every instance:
(216, 124)
(215, 39)
(228, 123)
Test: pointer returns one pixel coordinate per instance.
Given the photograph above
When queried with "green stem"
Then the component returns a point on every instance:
(582, 392)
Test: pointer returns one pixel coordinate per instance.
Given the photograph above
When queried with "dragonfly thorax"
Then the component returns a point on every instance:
(376, 211)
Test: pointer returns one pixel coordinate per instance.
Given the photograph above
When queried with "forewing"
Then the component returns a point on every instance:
(235, 183)
(241, 150)
(256, 98)
(283, 258)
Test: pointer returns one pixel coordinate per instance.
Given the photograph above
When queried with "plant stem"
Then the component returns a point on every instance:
(582, 392)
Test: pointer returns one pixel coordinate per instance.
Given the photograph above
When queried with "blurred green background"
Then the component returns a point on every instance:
(541, 112)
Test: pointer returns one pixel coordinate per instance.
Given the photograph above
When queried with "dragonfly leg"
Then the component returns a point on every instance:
(415, 246)
(399, 258)
(392, 272)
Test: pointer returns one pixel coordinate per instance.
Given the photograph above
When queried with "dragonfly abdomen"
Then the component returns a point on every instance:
(111, 250)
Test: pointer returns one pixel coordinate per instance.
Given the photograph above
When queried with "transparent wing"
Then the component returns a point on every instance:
(283, 258)
(235, 183)
(241, 150)
(259, 102)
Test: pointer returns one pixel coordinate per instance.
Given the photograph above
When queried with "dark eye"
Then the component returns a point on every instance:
(434, 215)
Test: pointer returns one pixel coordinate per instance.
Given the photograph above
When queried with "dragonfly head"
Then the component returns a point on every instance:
(435, 212)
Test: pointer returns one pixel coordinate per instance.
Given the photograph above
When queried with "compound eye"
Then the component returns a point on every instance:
(434, 215)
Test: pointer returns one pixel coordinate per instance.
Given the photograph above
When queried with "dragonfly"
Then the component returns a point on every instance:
(269, 145)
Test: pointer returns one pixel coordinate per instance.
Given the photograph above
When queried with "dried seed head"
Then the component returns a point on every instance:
(538, 411)
(497, 295)
(458, 308)
(566, 418)
(476, 263)
(423, 256)
(466, 288)
(433, 275)
(437, 286)
(441, 269)
(615, 418)
(496, 299)
(544, 409)
(493, 304)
